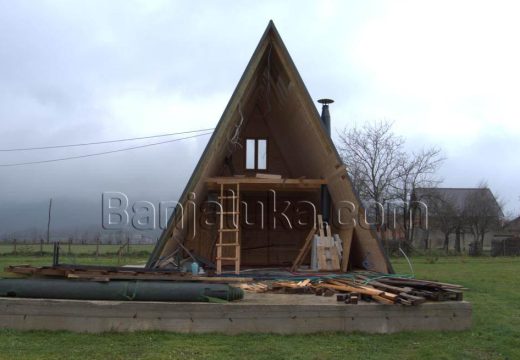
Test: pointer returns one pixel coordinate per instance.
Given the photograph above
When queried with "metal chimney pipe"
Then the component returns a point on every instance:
(325, 196)
(325, 115)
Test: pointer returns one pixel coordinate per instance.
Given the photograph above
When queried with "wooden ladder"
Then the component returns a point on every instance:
(229, 237)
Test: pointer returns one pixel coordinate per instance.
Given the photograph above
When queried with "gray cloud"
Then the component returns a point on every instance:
(86, 71)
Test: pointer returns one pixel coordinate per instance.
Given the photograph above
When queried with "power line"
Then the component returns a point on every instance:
(102, 153)
(103, 142)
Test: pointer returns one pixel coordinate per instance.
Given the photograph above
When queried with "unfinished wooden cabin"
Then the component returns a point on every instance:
(268, 173)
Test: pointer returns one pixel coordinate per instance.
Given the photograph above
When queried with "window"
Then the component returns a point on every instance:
(256, 154)
(261, 160)
(250, 153)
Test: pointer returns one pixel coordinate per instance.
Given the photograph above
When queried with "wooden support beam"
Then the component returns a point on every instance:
(253, 183)
(346, 238)
(304, 250)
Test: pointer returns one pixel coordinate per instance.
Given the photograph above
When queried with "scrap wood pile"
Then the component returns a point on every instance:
(382, 289)
(109, 273)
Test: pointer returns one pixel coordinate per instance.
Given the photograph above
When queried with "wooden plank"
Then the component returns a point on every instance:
(382, 300)
(122, 275)
(304, 282)
(304, 249)
(379, 292)
(320, 226)
(327, 258)
(254, 180)
(346, 244)
(216, 279)
(253, 183)
(322, 259)
(334, 257)
(362, 290)
(328, 231)
(268, 176)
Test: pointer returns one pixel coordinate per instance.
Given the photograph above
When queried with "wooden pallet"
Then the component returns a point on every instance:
(327, 253)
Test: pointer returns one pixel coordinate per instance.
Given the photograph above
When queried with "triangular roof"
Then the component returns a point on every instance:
(312, 155)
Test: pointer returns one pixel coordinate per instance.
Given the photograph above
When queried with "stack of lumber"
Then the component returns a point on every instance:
(253, 287)
(383, 289)
(293, 287)
(108, 273)
(429, 290)
(349, 288)
(325, 250)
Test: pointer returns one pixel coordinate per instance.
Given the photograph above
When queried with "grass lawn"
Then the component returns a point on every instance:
(494, 285)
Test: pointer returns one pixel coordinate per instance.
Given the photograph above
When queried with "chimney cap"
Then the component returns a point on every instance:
(325, 101)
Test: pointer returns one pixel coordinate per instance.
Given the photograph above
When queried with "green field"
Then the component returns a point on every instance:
(494, 285)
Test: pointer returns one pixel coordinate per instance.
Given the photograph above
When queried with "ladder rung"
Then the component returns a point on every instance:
(228, 213)
(227, 258)
(228, 244)
(228, 230)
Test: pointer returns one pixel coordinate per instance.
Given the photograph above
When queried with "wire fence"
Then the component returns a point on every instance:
(70, 247)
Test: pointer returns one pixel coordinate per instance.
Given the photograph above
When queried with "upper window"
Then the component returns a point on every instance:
(256, 154)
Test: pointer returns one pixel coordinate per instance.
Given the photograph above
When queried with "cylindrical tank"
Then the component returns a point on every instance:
(133, 290)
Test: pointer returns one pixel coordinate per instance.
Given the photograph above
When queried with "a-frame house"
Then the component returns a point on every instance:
(268, 170)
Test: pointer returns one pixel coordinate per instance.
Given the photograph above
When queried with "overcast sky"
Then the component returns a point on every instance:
(446, 72)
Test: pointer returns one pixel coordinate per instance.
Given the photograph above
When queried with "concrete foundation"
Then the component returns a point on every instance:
(257, 313)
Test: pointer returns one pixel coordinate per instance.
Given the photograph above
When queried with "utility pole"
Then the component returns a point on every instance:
(49, 222)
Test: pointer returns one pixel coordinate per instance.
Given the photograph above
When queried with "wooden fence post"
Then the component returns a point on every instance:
(97, 246)
(128, 245)
(41, 246)
(14, 243)
(69, 247)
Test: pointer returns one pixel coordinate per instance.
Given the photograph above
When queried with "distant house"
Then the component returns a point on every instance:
(512, 227)
(453, 218)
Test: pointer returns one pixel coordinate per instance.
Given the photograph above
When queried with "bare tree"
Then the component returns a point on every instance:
(381, 169)
(482, 213)
(446, 218)
(418, 169)
(374, 157)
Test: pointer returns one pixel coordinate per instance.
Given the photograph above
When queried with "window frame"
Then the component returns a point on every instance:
(256, 154)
